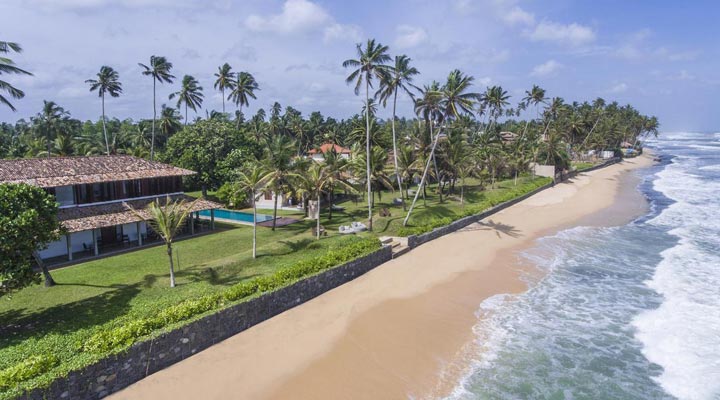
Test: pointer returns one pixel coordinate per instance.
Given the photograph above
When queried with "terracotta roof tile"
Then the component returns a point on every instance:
(76, 219)
(61, 171)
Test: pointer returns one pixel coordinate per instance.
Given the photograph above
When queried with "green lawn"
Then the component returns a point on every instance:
(581, 165)
(121, 288)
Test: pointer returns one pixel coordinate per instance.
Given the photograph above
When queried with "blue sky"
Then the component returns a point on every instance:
(661, 56)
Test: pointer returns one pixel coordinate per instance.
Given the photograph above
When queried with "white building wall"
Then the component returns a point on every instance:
(57, 248)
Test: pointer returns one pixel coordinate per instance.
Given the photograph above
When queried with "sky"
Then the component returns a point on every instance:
(660, 56)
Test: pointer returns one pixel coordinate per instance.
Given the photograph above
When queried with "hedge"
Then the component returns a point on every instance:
(114, 338)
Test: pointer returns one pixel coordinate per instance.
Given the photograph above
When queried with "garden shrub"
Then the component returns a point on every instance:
(26, 369)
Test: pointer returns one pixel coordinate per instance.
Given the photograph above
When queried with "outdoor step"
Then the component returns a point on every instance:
(398, 251)
(386, 239)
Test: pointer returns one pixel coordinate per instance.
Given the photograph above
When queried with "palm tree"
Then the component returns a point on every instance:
(49, 121)
(534, 96)
(166, 220)
(7, 66)
(224, 81)
(169, 122)
(106, 82)
(279, 158)
(253, 181)
(369, 64)
(159, 70)
(400, 78)
(320, 177)
(244, 88)
(190, 93)
(495, 99)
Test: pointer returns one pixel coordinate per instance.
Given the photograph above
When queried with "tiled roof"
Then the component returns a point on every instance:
(76, 219)
(61, 171)
(327, 146)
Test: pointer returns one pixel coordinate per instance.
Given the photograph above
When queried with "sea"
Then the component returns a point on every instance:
(626, 312)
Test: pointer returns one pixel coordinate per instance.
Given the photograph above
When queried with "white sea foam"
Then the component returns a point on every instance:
(683, 334)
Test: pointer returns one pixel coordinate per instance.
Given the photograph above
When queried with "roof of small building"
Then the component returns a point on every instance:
(62, 171)
(324, 148)
(508, 136)
(76, 219)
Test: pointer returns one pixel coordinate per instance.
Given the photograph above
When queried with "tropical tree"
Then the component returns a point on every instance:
(495, 99)
(167, 220)
(107, 82)
(7, 66)
(321, 178)
(190, 94)
(369, 65)
(49, 122)
(253, 180)
(169, 122)
(534, 96)
(244, 88)
(279, 162)
(225, 80)
(159, 70)
(28, 222)
(399, 78)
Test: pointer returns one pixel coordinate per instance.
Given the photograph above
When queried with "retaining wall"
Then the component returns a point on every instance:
(144, 358)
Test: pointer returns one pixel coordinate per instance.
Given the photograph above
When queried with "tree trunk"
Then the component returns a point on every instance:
(330, 198)
(152, 139)
(275, 195)
(395, 155)
(305, 205)
(422, 180)
(172, 266)
(222, 91)
(186, 113)
(254, 225)
(107, 146)
(367, 149)
(49, 281)
(317, 227)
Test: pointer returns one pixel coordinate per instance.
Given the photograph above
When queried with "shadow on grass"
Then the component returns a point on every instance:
(67, 318)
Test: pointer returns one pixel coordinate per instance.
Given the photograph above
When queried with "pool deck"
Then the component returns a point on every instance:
(281, 221)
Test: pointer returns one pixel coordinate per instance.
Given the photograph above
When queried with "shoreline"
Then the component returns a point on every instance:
(401, 329)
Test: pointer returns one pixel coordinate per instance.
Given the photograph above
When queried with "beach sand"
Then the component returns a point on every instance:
(402, 329)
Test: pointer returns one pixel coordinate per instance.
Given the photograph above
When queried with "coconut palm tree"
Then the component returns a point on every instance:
(244, 88)
(320, 178)
(399, 79)
(190, 93)
(167, 221)
(169, 122)
(534, 96)
(49, 122)
(159, 70)
(495, 99)
(253, 181)
(225, 80)
(107, 82)
(279, 161)
(369, 65)
(7, 66)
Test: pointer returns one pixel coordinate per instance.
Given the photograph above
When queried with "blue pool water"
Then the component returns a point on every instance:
(237, 216)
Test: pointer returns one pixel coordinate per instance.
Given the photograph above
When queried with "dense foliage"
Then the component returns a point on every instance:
(28, 222)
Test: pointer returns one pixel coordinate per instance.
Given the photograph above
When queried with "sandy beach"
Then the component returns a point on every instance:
(402, 329)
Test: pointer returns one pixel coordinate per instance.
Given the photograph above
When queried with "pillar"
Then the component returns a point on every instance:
(212, 219)
(69, 247)
(139, 233)
(192, 224)
(95, 242)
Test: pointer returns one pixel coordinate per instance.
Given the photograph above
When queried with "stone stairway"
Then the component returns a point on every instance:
(399, 245)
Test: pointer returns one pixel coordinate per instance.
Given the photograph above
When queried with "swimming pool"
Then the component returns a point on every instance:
(238, 216)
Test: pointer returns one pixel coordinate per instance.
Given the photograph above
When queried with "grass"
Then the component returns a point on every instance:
(581, 165)
(109, 291)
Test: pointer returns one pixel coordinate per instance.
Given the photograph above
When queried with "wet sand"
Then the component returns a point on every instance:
(402, 329)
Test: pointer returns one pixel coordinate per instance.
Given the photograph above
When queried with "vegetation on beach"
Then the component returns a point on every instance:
(462, 153)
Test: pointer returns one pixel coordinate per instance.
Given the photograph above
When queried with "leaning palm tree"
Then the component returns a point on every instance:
(106, 82)
(159, 70)
(253, 181)
(225, 80)
(399, 78)
(370, 64)
(244, 88)
(534, 96)
(7, 66)
(167, 221)
(190, 94)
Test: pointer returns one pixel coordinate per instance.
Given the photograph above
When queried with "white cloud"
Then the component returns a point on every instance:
(519, 16)
(296, 16)
(572, 34)
(484, 81)
(619, 88)
(546, 69)
(337, 31)
(409, 36)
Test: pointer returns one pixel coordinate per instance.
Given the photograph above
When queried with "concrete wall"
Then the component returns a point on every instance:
(144, 358)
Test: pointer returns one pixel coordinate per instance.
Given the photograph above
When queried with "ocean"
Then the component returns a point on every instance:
(628, 312)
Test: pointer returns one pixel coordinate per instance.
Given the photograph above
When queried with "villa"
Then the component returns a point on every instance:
(319, 153)
(92, 192)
